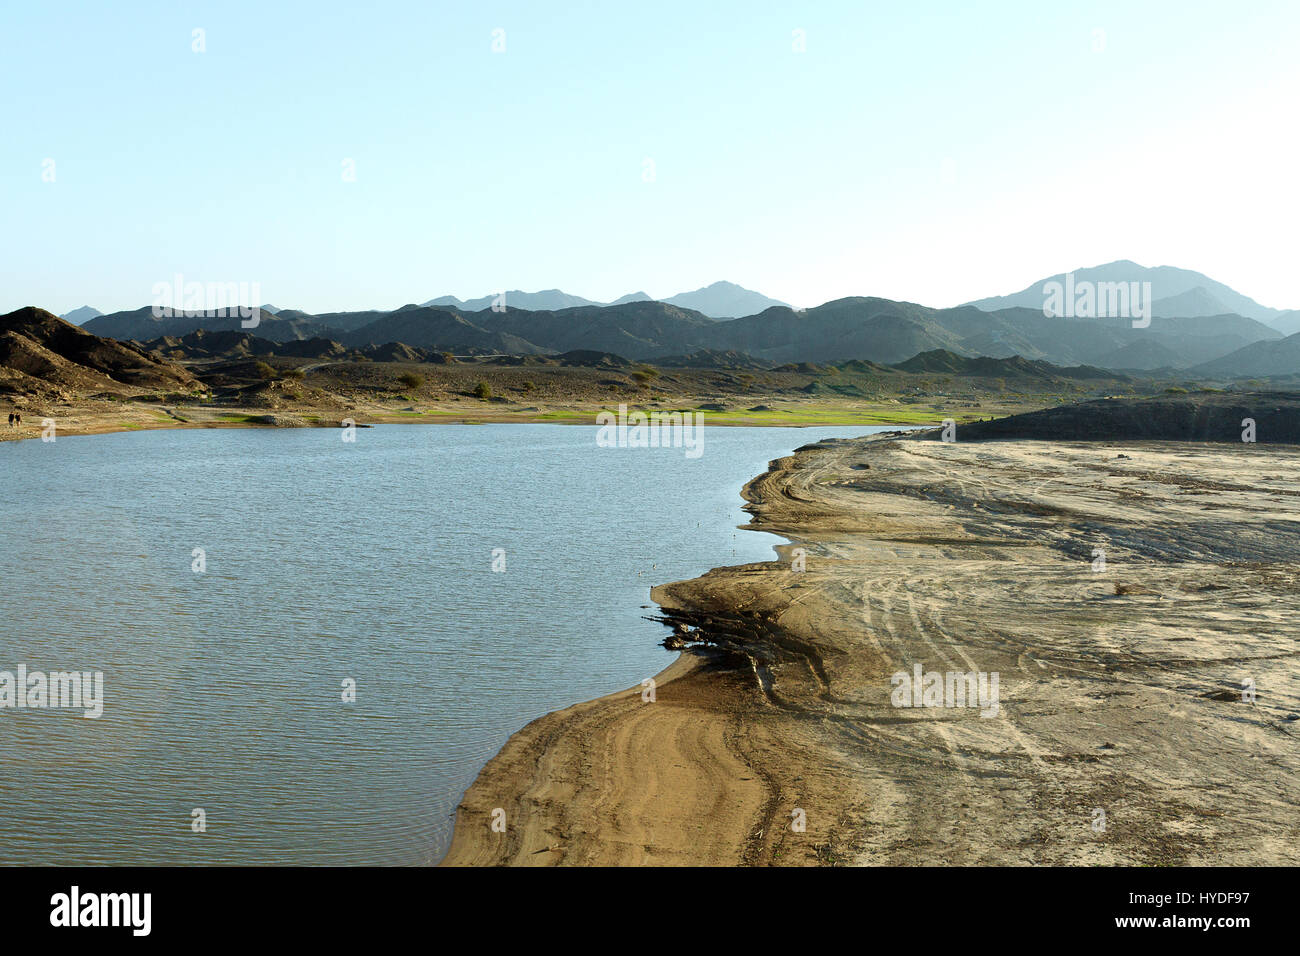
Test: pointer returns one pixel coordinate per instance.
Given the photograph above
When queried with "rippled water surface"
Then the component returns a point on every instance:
(328, 561)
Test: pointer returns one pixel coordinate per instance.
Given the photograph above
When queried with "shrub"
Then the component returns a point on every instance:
(294, 373)
(410, 380)
(263, 370)
(483, 391)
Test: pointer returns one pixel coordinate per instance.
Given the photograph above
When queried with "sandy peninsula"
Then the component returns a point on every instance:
(1135, 599)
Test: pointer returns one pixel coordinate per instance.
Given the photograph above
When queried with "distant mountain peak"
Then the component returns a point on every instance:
(1170, 285)
(631, 297)
(83, 314)
(724, 300)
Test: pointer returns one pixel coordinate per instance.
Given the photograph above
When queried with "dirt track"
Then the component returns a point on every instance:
(1120, 687)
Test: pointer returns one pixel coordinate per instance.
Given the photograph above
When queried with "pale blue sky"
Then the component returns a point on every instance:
(936, 152)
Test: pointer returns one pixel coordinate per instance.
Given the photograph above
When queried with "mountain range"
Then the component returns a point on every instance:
(872, 329)
(44, 357)
(1213, 327)
(721, 300)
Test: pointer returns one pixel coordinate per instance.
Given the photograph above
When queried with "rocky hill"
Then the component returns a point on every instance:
(41, 354)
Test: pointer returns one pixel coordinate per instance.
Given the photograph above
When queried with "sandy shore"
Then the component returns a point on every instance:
(1121, 735)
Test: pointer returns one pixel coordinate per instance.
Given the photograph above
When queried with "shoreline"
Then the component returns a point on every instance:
(683, 752)
(701, 738)
(1116, 686)
(103, 425)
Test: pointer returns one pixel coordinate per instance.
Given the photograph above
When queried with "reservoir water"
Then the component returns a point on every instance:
(233, 585)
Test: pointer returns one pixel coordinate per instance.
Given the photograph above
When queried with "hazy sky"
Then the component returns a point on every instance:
(934, 152)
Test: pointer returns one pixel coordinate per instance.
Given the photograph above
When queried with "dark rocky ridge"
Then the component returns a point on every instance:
(1211, 417)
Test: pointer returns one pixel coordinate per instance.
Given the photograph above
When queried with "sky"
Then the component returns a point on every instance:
(363, 156)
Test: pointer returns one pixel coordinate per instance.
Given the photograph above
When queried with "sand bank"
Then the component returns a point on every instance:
(1122, 593)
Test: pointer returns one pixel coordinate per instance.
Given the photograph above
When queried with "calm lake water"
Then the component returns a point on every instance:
(328, 561)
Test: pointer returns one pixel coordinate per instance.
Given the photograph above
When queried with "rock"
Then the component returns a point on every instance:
(1229, 696)
(278, 421)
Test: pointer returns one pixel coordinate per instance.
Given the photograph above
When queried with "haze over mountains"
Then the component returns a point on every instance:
(81, 315)
(1198, 323)
(721, 300)
(1175, 292)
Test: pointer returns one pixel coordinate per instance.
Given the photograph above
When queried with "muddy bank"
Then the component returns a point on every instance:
(1122, 594)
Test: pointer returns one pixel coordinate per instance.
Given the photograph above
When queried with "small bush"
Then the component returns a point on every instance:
(294, 373)
(483, 391)
(263, 370)
(410, 380)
